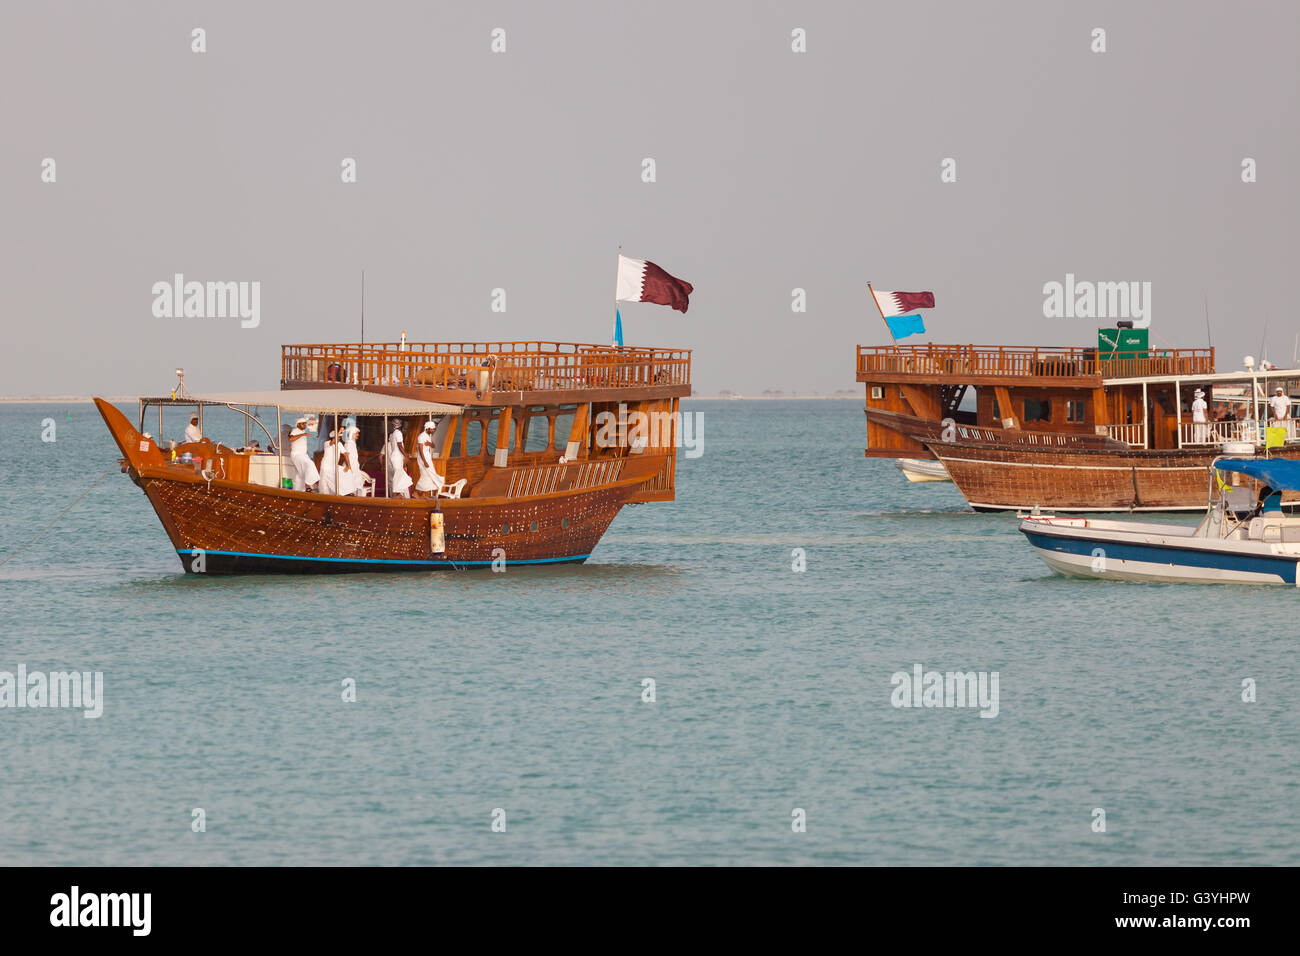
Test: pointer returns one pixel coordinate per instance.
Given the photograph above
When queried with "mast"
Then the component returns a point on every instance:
(882, 317)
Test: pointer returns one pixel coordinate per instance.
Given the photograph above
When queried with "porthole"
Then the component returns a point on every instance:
(533, 526)
(564, 523)
(505, 529)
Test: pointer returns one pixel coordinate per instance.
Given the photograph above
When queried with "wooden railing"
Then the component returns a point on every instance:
(998, 361)
(484, 366)
(1020, 436)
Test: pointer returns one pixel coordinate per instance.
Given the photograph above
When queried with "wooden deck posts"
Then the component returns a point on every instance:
(579, 431)
(502, 450)
(1178, 407)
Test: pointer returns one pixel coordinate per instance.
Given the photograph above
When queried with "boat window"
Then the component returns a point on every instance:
(1074, 411)
(491, 439)
(473, 437)
(1038, 411)
(563, 425)
(536, 434)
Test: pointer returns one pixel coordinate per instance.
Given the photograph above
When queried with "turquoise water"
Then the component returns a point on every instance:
(522, 691)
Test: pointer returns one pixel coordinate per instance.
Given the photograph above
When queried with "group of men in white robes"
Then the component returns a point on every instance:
(399, 481)
(340, 470)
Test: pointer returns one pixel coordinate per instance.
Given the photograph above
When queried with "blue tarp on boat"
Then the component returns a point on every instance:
(1277, 473)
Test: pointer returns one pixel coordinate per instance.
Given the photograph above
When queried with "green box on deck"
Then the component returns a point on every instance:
(1122, 343)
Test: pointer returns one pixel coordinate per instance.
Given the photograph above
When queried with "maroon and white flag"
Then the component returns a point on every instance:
(642, 281)
(901, 303)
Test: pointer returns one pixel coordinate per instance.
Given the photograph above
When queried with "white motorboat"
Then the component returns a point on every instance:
(1245, 538)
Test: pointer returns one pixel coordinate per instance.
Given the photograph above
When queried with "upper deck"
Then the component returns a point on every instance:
(492, 373)
(1067, 366)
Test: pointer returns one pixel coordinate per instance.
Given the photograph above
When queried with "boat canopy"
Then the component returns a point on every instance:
(1280, 474)
(327, 401)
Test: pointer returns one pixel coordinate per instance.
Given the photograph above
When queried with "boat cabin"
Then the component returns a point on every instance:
(513, 419)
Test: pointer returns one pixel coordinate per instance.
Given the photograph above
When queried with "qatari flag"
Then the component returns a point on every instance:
(641, 281)
(901, 303)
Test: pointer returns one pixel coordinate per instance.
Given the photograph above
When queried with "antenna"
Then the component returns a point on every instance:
(1208, 340)
(363, 306)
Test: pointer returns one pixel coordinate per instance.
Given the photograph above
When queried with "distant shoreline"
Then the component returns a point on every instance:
(86, 399)
(63, 399)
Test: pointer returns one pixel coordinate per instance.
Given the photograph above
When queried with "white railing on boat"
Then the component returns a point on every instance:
(1135, 435)
(1216, 433)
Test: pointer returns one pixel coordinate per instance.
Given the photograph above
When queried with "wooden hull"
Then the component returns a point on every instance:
(917, 432)
(224, 526)
(1012, 478)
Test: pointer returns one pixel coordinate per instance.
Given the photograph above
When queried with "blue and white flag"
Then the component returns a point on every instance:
(901, 326)
(618, 328)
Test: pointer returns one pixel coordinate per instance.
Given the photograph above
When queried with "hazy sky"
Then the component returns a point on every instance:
(522, 170)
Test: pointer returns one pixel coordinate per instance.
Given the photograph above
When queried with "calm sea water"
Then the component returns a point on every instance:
(522, 691)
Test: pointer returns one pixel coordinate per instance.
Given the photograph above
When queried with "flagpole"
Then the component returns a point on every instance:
(618, 265)
(882, 317)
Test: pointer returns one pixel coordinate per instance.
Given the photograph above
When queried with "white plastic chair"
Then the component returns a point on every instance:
(452, 490)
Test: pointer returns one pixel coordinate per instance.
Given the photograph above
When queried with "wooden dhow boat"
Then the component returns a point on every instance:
(1244, 538)
(539, 445)
(1064, 428)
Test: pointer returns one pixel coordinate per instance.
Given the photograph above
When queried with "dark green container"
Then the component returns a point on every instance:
(1122, 343)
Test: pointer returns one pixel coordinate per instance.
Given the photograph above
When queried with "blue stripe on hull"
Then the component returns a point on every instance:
(1279, 565)
(253, 561)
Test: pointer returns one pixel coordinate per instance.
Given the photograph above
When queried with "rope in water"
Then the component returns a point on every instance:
(24, 547)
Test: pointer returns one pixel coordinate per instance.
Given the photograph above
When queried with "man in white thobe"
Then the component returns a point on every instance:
(305, 474)
(192, 431)
(357, 478)
(430, 481)
(399, 482)
(1200, 419)
(1281, 406)
(331, 466)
